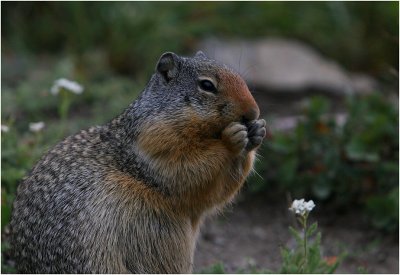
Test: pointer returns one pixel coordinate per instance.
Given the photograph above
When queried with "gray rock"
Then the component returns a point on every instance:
(286, 65)
(288, 123)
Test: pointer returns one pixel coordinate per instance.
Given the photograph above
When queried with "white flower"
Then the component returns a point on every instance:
(68, 85)
(4, 128)
(302, 207)
(36, 126)
(309, 205)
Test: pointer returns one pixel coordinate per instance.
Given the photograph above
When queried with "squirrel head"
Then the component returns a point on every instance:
(197, 90)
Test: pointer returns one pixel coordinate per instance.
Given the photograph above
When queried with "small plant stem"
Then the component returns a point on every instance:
(63, 110)
(303, 221)
(64, 106)
(305, 238)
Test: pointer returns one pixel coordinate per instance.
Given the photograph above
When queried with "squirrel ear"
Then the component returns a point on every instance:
(168, 65)
(200, 54)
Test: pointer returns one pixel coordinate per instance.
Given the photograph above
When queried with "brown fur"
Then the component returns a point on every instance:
(202, 169)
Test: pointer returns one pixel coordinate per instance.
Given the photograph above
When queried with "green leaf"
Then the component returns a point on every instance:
(296, 235)
(311, 230)
(6, 206)
(217, 268)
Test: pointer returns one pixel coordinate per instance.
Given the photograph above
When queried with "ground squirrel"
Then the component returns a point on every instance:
(129, 196)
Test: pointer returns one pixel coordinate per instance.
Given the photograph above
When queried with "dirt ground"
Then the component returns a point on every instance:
(251, 231)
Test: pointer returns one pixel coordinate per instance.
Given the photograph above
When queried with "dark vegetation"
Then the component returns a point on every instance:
(354, 165)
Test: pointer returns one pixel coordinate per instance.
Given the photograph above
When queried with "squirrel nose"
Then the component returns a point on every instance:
(251, 114)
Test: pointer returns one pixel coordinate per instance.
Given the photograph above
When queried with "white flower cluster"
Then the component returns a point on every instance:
(36, 126)
(302, 207)
(68, 85)
(4, 128)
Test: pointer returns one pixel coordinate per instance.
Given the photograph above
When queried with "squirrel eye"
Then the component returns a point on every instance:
(207, 85)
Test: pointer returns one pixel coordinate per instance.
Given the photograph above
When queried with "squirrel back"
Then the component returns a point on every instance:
(129, 196)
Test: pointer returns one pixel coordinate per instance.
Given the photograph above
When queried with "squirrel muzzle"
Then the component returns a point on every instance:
(235, 88)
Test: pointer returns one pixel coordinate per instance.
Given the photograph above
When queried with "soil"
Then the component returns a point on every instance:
(250, 233)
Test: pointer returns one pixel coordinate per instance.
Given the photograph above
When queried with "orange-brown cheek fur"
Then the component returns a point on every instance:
(236, 90)
(178, 139)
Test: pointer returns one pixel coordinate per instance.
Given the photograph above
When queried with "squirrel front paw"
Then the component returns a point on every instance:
(256, 133)
(248, 137)
(235, 136)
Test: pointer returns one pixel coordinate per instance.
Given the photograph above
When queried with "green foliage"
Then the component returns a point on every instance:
(5, 268)
(384, 210)
(356, 163)
(133, 33)
(217, 268)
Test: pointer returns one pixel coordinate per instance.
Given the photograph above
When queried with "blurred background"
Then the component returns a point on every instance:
(325, 75)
